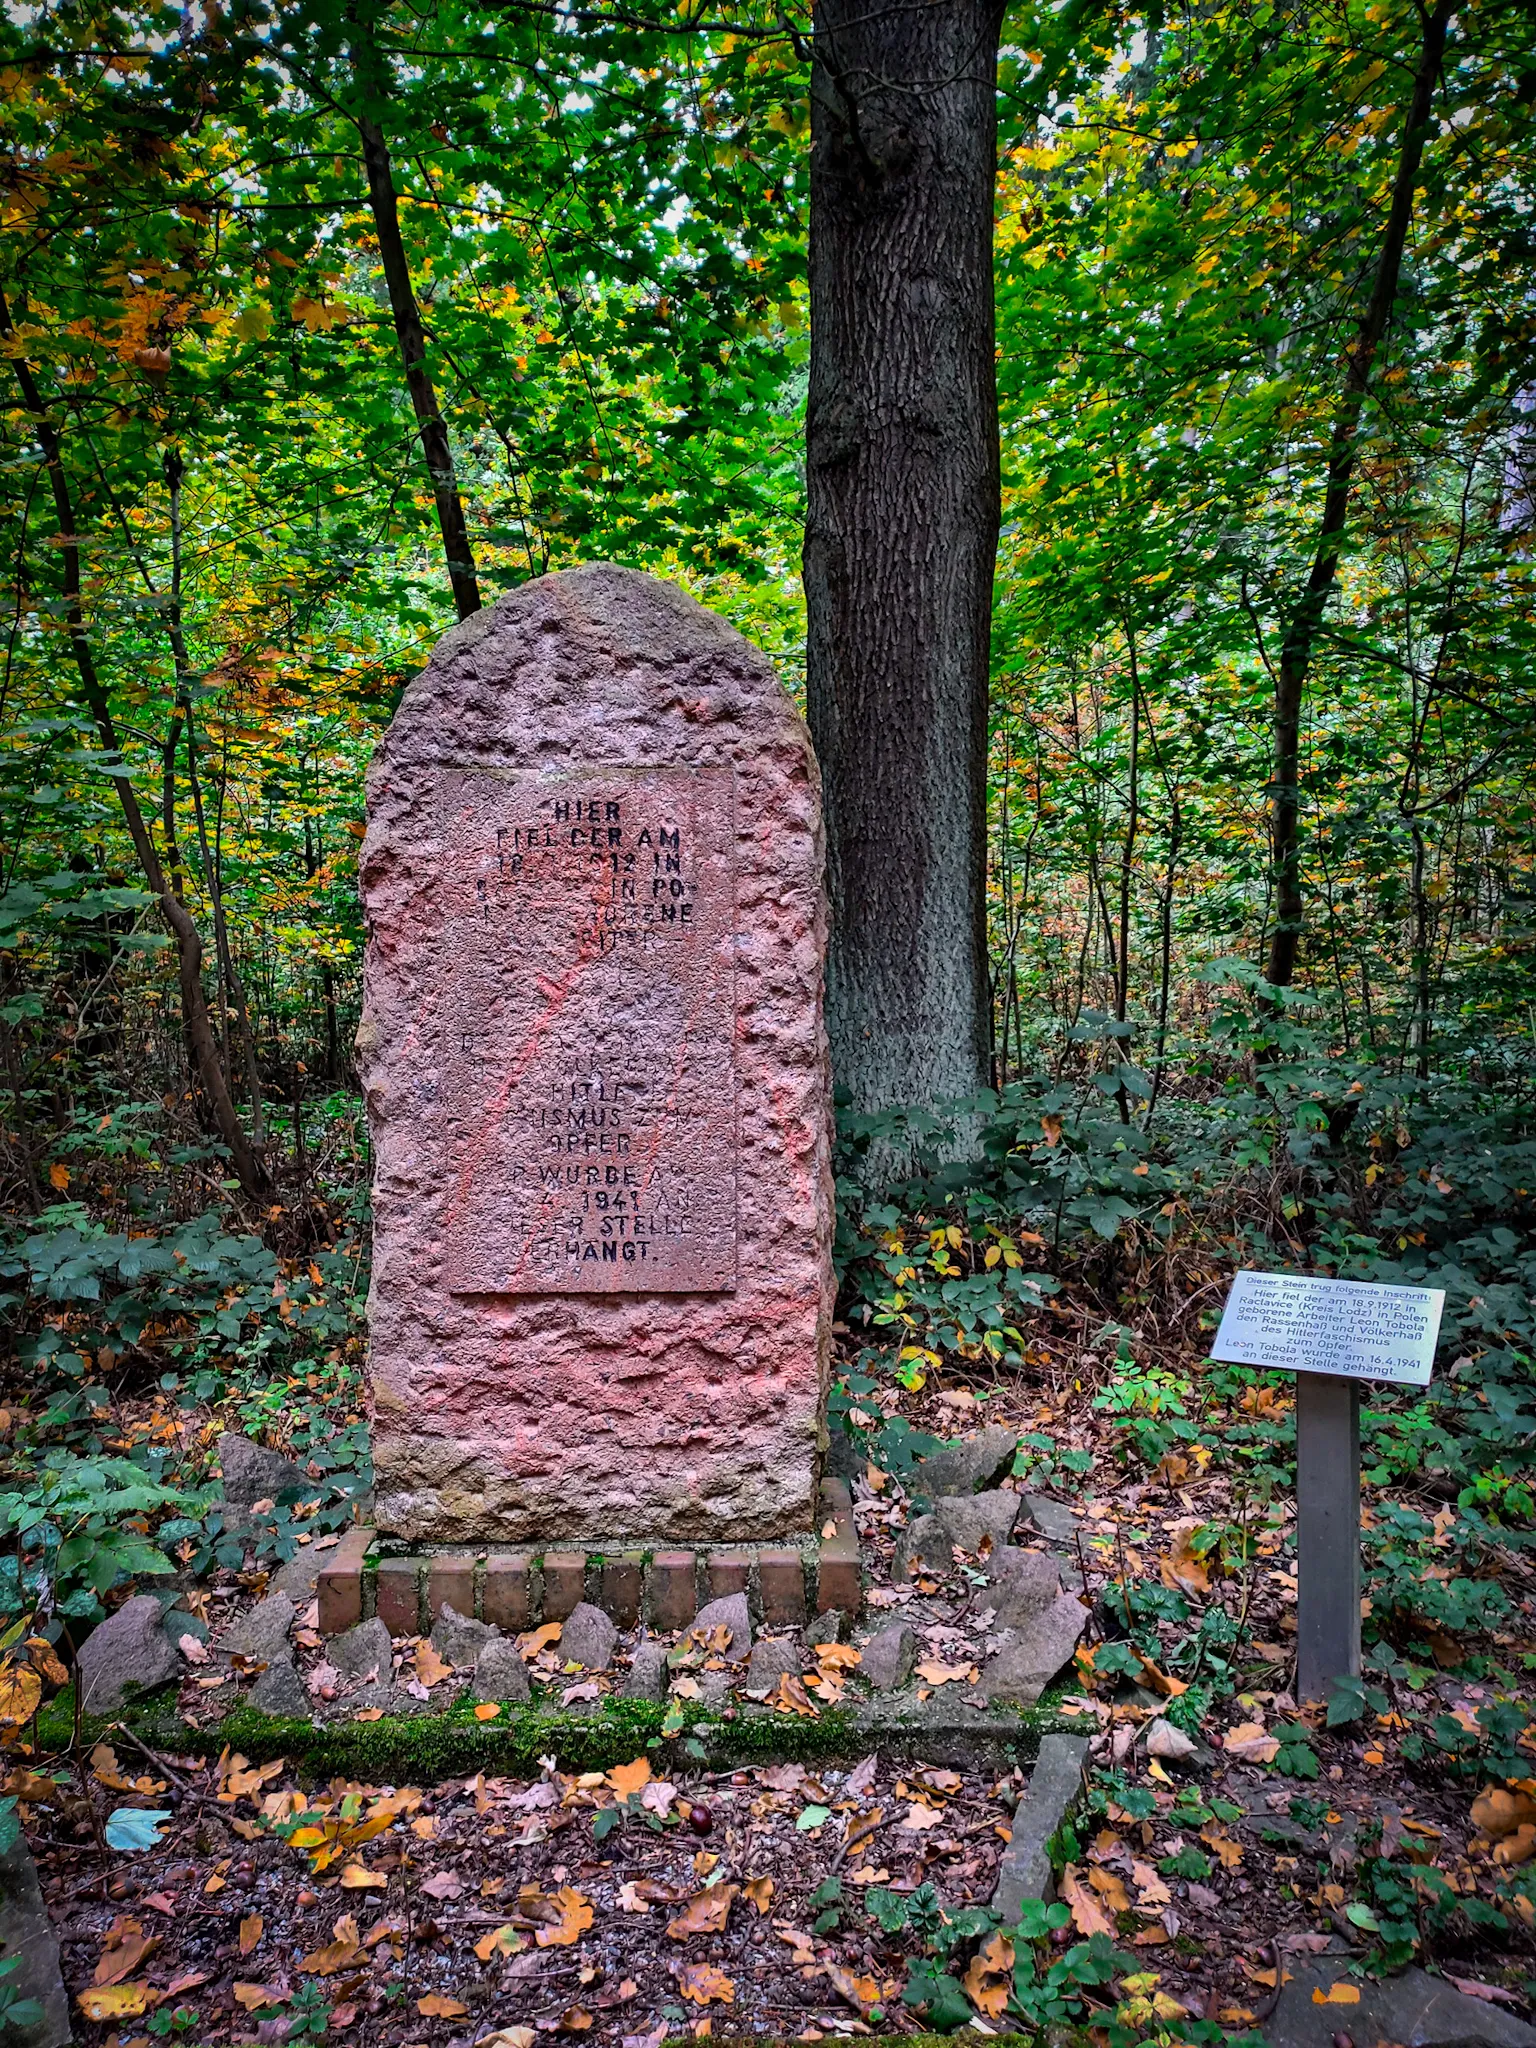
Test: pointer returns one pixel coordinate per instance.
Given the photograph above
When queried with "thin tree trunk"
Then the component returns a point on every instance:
(901, 534)
(229, 980)
(435, 446)
(249, 1170)
(1301, 632)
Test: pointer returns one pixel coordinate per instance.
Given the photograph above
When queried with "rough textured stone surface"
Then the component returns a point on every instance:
(1054, 1786)
(828, 1627)
(588, 1638)
(731, 1613)
(1052, 1519)
(298, 1577)
(500, 1673)
(536, 1036)
(459, 1638)
(967, 1466)
(958, 1521)
(129, 1648)
(263, 1632)
(888, 1657)
(1413, 2010)
(26, 1931)
(361, 1650)
(1025, 1666)
(647, 1678)
(772, 1658)
(279, 1690)
(1021, 1585)
(253, 1473)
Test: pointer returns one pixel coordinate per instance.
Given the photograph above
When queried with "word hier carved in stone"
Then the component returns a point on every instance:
(1297, 1322)
(596, 1076)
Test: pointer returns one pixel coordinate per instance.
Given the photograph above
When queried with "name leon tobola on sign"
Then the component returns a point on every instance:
(1332, 1334)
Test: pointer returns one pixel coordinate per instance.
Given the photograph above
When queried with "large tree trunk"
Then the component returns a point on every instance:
(1343, 450)
(901, 534)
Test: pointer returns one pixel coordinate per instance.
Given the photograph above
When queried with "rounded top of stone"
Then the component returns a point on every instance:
(595, 664)
(638, 615)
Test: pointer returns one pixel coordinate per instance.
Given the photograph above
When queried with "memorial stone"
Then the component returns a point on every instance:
(596, 1077)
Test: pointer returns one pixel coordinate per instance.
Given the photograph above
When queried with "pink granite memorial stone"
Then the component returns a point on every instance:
(596, 1077)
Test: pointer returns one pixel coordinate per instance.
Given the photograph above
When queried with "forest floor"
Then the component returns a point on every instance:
(656, 1898)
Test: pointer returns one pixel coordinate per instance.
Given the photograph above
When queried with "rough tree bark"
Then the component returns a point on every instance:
(901, 533)
(430, 425)
(1301, 630)
(249, 1167)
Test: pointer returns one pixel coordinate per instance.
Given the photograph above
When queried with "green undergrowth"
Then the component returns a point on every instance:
(400, 1748)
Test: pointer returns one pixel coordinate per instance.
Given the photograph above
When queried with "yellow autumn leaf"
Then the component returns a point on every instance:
(58, 1176)
(438, 2006)
(114, 2002)
(1336, 1994)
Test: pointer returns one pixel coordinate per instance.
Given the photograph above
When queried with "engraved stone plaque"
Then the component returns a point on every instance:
(587, 1056)
(595, 1063)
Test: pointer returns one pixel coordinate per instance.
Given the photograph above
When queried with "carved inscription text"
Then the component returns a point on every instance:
(585, 1039)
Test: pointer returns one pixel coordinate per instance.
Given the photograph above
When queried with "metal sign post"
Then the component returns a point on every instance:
(1332, 1334)
(1327, 1533)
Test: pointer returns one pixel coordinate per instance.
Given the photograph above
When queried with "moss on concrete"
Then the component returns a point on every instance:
(427, 1746)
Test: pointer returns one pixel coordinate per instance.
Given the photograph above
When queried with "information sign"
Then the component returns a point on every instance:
(1349, 1329)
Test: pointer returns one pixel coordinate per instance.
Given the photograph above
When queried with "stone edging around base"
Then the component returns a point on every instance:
(518, 1589)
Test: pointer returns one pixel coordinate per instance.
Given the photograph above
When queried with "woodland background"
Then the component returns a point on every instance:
(601, 222)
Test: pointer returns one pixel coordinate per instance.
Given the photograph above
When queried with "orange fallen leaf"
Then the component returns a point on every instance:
(45, 1660)
(1373, 1756)
(1497, 1813)
(988, 1981)
(575, 1918)
(529, 1646)
(114, 2001)
(437, 2006)
(369, 1714)
(250, 1997)
(1088, 1916)
(501, 1941)
(487, 1710)
(1182, 1570)
(629, 1778)
(759, 1890)
(337, 1954)
(431, 1669)
(124, 1955)
(1519, 1847)
(707, 1912)
(356, 1877)
(1337, 1994)
(1252, 1742)
(1227, 1850)
(859, 1992)
(701, 1983)
(938, 1673)
(1110, 1890)
(252, 1928)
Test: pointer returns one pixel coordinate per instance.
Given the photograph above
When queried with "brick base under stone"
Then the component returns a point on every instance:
(519, 1589)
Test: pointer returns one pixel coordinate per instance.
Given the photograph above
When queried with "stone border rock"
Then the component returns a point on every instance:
(1055, 1785)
